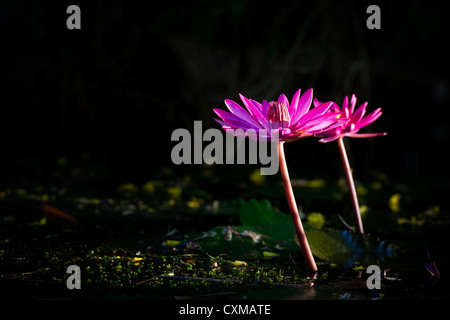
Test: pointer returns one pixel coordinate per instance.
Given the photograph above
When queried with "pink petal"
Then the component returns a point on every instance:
(369, 119)
(334, 108)
(328, 126)
(365, 135)
(331, 138)
(323, 121)
(303, 105)
(316, 103)
(241, 113)
(246, 103)
(315, 112)
(256, 112)
(357, 116)
(256, 104)
(319, 127)
(352, 104)
(345, 107)
(284, 99)
(223, 124)
(265, 108)
(221, 113)
(338, 122)
(234, 121)
(294, 103)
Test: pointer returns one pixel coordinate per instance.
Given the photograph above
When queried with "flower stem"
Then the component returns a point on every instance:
(303, 241)
(351, 185)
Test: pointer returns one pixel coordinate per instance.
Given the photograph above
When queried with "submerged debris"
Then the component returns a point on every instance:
(254, 236)
(228, 233)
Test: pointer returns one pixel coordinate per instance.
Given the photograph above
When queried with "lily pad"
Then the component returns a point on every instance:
(261, 213)
(346, 248)
(237, 246)
(277, 234)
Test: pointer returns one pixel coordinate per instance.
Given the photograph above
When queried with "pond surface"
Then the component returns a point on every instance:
(165, 238)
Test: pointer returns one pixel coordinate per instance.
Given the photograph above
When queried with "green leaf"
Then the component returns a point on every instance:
(327, 245)
(238, 247)
(261, 213)
(278, 234)
(345, 248)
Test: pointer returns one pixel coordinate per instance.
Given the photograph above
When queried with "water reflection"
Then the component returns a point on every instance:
(364, 250)
(322, 292)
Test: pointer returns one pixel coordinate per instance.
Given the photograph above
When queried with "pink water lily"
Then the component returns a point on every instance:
(356, 120)
(293, 120)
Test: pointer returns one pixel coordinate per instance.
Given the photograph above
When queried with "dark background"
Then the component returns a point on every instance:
(110, 95)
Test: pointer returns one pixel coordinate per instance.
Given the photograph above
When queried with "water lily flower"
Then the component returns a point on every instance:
(356, 120)
(292, 120)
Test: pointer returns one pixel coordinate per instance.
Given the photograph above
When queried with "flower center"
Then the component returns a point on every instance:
(278, 115)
